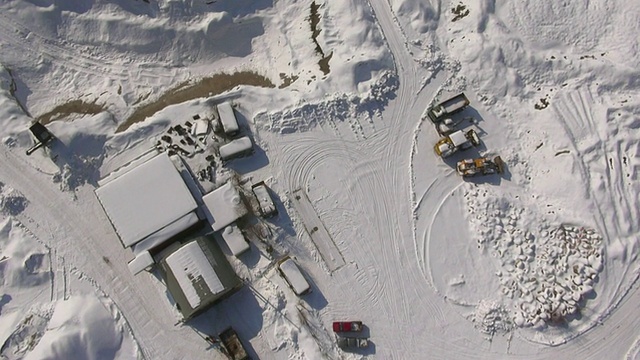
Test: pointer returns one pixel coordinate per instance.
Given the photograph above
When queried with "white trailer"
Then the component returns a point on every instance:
(228, 119)
(236, 148)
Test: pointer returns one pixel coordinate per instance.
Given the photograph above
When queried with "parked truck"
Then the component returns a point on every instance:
(347, 326)
(352, 342)
(232, 345)
(448, 107)
(455, 141)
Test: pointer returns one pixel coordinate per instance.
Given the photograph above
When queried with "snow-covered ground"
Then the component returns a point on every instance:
(539, 262)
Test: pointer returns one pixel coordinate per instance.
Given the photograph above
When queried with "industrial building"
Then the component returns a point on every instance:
(197, 275)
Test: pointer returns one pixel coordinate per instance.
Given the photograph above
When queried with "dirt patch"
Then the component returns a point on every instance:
(459, 11)
(287, 80)
(542, 104)
(324, 63)
(72, 107)
(208, 86)
(314, 19)
(13, 87)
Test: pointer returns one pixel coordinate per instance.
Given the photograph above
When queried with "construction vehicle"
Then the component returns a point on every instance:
(480, 166)
(347, 326)
(449, 126)
(458, 140)
(232, 345)
(448, 107)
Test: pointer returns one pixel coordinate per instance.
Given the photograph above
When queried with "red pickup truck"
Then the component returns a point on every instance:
(347, 326)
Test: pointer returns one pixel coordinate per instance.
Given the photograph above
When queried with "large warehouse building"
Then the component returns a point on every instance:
(150, 201)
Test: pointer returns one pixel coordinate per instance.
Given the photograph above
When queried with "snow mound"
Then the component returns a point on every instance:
(37, 324)
(12, 202)
(27, 333)
(339, 108)
(547, 273)
(80, 327)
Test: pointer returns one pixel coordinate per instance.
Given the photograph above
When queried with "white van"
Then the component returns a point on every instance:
(236, 148)
(228, 119)
(291, 273)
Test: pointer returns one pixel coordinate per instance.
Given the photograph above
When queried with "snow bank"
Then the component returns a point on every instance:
(35, 323)
(81, 327)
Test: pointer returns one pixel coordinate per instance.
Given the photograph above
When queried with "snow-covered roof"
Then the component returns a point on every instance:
(235, 240)
(228, 118)
(200, 127)
(223, 206)
(235, 148)
(161, 236)
(194, 273)
(146, 199)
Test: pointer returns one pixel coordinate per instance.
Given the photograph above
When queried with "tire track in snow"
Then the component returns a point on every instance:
(306, 155)
(432, 200)
(576, 115)
(396, 155)
(577, 118)
(396, 166)
(29, 41)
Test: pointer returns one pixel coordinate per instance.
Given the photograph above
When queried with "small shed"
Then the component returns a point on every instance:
(235, 240)
(223, 206)
(228, 119)
(236, 148)
(42, 134)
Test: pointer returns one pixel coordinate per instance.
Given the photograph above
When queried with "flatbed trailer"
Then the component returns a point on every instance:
(352, 342)
(448, 107)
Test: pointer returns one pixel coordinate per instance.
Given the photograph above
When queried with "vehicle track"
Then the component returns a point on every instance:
(67, 56)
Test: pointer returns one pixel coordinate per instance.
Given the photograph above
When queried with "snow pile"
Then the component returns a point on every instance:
(12, 202)
(491, 318)
(35, 323)
(80, 327)
(338, 108)
(546, 273)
